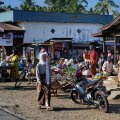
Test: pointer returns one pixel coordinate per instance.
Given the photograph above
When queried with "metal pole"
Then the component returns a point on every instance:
(115, 51)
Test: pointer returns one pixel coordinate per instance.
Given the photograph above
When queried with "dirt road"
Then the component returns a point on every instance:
(23, 102)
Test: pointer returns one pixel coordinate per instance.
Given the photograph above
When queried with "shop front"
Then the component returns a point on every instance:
(111, 37)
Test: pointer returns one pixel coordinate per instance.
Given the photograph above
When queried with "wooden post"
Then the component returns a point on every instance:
(115, 51)
(52, 47)
(104, 50)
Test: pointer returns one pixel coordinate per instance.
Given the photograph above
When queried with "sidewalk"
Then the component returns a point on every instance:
(6, 116)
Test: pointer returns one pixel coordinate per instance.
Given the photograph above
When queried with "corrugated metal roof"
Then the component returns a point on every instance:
(19, 15)
(8, 27)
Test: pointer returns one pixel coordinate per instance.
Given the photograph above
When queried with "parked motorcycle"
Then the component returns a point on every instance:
(91, 92)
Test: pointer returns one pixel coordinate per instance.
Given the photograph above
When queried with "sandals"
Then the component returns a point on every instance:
(49, 108)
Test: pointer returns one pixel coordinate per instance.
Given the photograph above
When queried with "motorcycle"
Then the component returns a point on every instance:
(91, 92)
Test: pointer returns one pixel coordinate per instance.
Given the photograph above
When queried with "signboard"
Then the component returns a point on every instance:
(6, 39)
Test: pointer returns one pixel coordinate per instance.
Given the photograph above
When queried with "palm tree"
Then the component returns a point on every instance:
(55, 5)
(28, 2)
(90, 11)
(30, 5)
(5, 8)
(76, 6)
(106, 7)
(71, 6)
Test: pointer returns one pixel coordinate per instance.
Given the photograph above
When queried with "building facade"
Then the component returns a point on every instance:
(41, 26)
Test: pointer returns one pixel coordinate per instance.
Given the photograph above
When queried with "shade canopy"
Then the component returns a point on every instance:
(4, 27)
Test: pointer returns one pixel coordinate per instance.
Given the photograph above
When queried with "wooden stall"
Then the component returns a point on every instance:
(111, 32)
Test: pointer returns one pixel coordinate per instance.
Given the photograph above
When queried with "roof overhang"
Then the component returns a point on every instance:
(4, 27)
(80, 45)
(60, 40)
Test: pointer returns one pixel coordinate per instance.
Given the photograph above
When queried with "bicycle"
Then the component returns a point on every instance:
(21, 78)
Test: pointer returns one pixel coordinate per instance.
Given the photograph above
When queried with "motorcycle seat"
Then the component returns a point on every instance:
(91, 83)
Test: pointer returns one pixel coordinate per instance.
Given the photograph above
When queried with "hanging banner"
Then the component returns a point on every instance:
(6, 39)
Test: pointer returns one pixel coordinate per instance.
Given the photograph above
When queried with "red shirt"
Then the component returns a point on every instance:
(93, 57)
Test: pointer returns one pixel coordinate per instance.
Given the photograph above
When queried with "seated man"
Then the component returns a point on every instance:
(108, 66)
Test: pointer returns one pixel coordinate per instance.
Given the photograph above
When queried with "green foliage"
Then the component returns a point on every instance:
(30, 5)
(106, 7)
(69, 70)
(70, 6)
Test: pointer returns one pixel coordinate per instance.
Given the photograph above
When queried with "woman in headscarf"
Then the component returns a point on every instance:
(43, 82)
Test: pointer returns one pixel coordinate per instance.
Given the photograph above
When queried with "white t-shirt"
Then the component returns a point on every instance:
(108, 67)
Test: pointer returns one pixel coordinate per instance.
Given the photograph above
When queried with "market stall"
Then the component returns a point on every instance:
(111, 32)
(59, 47)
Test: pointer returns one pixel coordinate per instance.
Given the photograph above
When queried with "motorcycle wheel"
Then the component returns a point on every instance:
(103, 102)
(75, 97)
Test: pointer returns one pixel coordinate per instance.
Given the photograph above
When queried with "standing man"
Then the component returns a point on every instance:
(93, 60)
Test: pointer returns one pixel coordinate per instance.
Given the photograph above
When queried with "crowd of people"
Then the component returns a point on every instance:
(91, 63)
(87, 65)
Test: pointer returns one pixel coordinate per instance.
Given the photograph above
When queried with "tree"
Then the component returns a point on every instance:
(71, 6)
(90, 11)
(30, 5)
(5, 8)
(76, 6)
(106, 7)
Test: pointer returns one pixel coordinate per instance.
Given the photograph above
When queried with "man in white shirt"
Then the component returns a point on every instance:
(108, 66)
